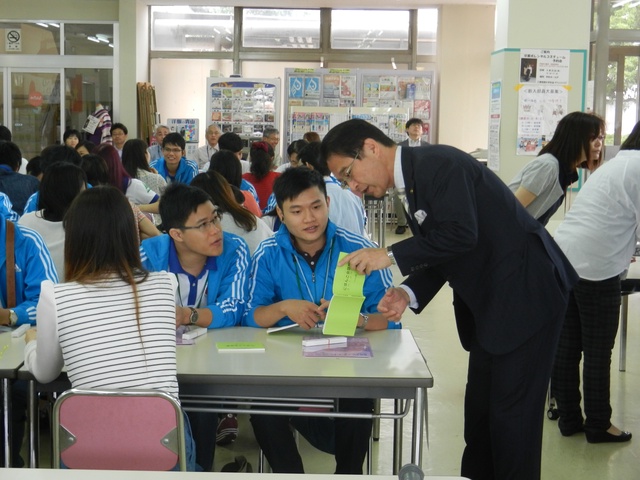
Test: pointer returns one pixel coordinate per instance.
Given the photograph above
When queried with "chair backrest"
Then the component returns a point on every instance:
(118, 430)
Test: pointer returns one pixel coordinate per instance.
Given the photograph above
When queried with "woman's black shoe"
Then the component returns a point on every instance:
(606, 437)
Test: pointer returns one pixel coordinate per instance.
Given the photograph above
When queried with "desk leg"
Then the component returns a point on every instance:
(375, 432)
(33, 426)
(624, 310)
(397, 437)
(6, 420)
(419, 405)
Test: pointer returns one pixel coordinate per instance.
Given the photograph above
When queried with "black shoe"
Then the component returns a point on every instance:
(606, 437)
(567, 432)
(400, 229)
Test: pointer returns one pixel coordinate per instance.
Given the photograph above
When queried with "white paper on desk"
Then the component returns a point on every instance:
(277, 329)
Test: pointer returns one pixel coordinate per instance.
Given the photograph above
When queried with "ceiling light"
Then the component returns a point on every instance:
(42, 24)
(93, 39)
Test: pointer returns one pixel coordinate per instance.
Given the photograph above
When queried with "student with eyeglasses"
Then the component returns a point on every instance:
(210, 267)
(173, 166)
(541, 185)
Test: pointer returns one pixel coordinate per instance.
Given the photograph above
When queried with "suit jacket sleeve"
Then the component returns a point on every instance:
(442, 191)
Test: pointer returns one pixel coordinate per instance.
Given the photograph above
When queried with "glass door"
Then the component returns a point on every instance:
(623, 86)
(34, 108)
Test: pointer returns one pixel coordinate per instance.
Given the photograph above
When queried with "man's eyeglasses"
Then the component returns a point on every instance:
(346, 175)
(172, 150)
(205, 226)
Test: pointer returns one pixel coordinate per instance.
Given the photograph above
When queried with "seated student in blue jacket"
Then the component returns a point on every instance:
(173, 166)
(291, 281)
(211, 269)
(33, 265)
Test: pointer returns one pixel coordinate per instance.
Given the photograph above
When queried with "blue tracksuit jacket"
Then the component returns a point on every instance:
(226, 289)
(276, 276)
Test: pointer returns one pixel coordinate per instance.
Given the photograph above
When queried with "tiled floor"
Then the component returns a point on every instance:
(563, 458)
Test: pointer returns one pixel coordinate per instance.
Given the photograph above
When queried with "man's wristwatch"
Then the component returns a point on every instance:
(365, 320)
(390, 255)
(13, 318)
(193, 318)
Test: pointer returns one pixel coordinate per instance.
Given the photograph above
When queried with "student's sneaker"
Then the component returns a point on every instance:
(227, 430)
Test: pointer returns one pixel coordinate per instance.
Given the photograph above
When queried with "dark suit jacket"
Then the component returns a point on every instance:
(508, 275)
(405, 143)
(18, 188)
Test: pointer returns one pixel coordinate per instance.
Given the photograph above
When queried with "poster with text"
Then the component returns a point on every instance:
(495, 112)
(540, 108)
(544, 66)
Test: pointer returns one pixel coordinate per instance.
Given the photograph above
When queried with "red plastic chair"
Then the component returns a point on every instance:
(118, 430)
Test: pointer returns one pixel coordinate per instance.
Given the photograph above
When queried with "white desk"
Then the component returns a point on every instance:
(48, 474)
(11, 358)
(397, 370)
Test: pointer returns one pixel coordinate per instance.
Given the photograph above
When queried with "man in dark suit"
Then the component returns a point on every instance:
(510, 283)
(414, 128)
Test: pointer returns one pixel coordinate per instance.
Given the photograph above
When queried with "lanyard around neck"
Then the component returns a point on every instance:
(299, 273)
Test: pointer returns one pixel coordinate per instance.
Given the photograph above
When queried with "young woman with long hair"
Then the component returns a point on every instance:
(60, 185)
(235, 218)
(134, 189)
(262, 175)
(97, 171)
(135, 160)
(541, 185)
(227, 164)
(111, 324)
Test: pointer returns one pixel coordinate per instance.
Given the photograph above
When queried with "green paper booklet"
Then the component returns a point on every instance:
(344, 309)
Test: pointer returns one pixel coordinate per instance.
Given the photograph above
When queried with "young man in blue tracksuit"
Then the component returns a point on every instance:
(291, 281)
(33, 265)
(210, 268)
(173, 166)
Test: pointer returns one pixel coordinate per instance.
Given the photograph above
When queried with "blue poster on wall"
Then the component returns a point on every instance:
(296, 87)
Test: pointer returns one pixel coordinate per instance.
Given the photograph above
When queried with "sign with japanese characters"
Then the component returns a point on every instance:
(540, 108)
(544, 66)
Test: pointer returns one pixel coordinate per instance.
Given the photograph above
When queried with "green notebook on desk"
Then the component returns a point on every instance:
(344, 309)
(240, 346)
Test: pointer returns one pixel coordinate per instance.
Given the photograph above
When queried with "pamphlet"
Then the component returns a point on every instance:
(355, 347)
(344, 309)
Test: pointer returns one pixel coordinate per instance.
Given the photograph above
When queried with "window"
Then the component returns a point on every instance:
(279, 28)
(370, 29)
(427, 31)
(624, 15)
(192, 29)
(88, 39)
(41, 38)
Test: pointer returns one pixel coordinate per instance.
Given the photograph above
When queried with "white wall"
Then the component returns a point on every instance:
(466, 39)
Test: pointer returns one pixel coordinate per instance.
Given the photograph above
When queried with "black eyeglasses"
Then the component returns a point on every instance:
(205, 226)
(346, 175)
